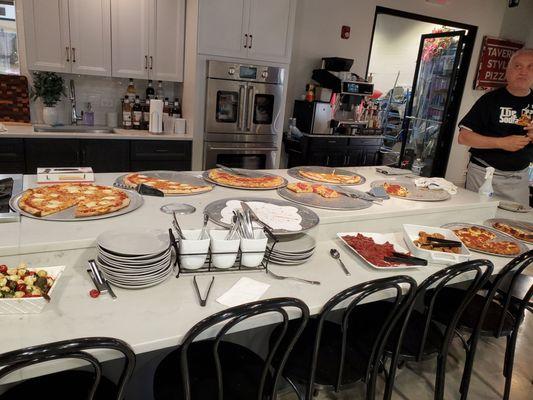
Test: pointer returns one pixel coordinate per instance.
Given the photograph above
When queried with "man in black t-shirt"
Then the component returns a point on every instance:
(499, 131)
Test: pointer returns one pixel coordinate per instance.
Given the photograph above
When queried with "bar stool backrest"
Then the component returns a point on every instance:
(481, 270)
(510, 272)
(72, 349)
(228, 319)
(399, 289)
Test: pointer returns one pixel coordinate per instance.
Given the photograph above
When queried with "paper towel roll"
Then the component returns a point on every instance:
(156, 116)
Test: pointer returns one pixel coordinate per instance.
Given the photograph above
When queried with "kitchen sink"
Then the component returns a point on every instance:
(73, 128)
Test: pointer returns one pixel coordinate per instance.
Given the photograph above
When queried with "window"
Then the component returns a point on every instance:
(9, 60)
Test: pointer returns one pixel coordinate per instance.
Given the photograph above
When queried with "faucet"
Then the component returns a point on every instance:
(74, 115)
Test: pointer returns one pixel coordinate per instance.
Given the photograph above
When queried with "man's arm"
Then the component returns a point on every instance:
(477, 141)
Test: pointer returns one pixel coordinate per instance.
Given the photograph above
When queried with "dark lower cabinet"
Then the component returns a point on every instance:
(333, 152)
(109, 156)
(104, 155)
(51, 153)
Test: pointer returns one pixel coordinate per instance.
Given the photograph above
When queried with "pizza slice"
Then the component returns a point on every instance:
(524, 120)
(300, 187)
(325, 192)
(164, 185)
(395, 190)
(45, 201)
(518, 233)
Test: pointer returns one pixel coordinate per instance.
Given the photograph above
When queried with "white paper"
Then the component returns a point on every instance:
(277, 217)
(245, 290)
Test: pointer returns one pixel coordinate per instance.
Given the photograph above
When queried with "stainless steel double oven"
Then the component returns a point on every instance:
(242, 115)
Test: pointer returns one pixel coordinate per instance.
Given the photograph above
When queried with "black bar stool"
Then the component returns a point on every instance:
(71, 384)
(497, 313)
(420, 337)
(220, 369)
(329, 354)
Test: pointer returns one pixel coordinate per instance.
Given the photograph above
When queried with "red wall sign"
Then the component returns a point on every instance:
(493, 60)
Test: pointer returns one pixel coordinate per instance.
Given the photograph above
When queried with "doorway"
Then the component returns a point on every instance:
(419, 64)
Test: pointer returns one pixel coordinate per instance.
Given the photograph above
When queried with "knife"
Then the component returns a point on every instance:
(234, 171)
(101, 280)
(254, 216)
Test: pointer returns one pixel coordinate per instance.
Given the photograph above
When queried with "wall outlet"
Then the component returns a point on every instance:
(345, 32)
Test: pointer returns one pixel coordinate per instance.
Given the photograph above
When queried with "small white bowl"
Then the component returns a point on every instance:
(220, 245)
(191, 245)
(256, 247)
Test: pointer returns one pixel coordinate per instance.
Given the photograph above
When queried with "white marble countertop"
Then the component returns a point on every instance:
(27, 132)
(159, 317)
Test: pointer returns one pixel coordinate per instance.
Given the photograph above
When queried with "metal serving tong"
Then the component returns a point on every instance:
(247, 209)
(101, 283)
(176, 226)
(405, 259)
(356, 194)
(234, 171)
(443, 242)
(203, 301)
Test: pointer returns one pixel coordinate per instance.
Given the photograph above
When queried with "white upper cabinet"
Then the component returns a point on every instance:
(271, 26)
(223, 27)
(90, 36)
(167, 40)
(148, 39)
(46, 29)
(251, 29)
(130, 21)
(68, 36)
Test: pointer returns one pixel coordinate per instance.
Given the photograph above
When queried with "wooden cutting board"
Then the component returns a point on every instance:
(14, 99)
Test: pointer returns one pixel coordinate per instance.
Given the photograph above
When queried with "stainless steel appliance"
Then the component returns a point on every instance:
(313, 117)
(242, 115)
(9, 185)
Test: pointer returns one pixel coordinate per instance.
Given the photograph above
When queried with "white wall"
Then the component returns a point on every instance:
(395, 49)
(517, 23)
(317, 35)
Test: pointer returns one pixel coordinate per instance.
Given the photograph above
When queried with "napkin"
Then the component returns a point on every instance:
(3, 127)
(436, 183)
(244, 291)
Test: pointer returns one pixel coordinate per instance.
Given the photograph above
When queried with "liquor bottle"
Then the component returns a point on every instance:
(166, 107)
(137, 113)
(146, 114)
(150, 91)
(126, 113)
(176, 110)
(131, 90)
(160, 93)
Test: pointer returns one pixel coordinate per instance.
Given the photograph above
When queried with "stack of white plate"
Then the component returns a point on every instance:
(134, 259)
(293, 249)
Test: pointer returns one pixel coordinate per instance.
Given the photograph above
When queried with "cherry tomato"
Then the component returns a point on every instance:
(31, 273)
(3, 269)
(21, 287)
(94, 293)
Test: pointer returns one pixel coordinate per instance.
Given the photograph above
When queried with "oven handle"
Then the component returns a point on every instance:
(251, 98)
(245, 148)
(242, 102)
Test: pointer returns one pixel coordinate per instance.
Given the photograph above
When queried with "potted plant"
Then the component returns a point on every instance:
(48, 86)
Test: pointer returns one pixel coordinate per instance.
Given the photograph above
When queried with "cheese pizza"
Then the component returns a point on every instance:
(476, 238)
(516, 232)
(395, 190)
(330, 178)
(302, 187)
(89, 199)
(164, 185)
(524, 120)
(245, 182)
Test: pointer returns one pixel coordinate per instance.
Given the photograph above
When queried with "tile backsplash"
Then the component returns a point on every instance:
(105, 95)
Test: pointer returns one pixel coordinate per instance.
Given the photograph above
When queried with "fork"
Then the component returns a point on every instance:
(279, 277)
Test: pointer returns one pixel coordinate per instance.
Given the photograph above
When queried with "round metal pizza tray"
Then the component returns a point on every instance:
(252, 174)
(317, 201)
(325, 170)
(136, 200)
(415, 193)
(499, 236)
(514, 223)
(170, 176)
(309, 217)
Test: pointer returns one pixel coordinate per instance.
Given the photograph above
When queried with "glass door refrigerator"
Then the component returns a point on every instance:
(430, 118)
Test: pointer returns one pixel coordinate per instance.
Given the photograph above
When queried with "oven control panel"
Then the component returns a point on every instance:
(245, 72)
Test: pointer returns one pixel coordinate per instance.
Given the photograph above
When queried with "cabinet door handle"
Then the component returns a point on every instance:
(151, 62)
(73, 54)
(145, 62)
(332, 141)
(245, 40)
(347, 160)
(160, 151)
(251, 41)
(82, 156)
(327, 160)
(68, 53)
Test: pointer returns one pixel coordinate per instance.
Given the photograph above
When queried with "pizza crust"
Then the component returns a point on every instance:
(330, 178)
(166, 186)
(264, 182)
